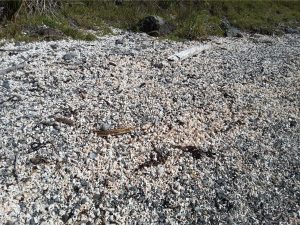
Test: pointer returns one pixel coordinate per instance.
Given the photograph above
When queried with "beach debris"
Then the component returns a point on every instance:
(113, 132)
(188, 52)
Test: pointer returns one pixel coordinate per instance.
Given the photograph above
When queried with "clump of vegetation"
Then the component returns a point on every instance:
(193, 19)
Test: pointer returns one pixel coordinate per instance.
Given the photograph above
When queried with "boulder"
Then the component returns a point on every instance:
(155, 26)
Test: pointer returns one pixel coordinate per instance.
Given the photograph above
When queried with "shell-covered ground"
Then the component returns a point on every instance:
(213, 139)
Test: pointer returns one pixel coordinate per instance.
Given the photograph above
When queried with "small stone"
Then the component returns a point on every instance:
(92, 155)
(158, 65)
(69, 56)
(6, 84)
(38, 160)
(84, 183)
(104, 126)
(119, 42)
(54, 46)
(112, 64)
(32, 222)
(293, 123)
(65, 218)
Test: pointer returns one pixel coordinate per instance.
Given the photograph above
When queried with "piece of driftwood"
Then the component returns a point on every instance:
(188, 52)
(12, 68)
(65, 121)
(113, 132)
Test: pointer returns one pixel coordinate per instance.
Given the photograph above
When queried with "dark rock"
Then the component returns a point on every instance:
(54, 46)
(6, 84)
(32, 222)
(119, 42)
(230, 31)
(65, 218)
(142, 85)
(112, 64)
(158, 65)
(38, 160)
(293, 123)
(155, 26)
(289, 30)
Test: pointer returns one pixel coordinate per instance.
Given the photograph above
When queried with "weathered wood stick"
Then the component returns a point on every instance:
(113, 132)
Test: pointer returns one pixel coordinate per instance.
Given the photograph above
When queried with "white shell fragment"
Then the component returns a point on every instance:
(189, 52)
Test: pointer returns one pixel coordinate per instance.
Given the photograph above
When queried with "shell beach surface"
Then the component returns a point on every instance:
(111, 132)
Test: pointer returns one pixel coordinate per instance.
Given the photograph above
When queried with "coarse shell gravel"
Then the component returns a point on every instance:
(215, 137)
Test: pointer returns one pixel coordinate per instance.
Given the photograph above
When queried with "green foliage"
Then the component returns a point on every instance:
(194, 18)
(199, 24)
(263, 16)
(58, 21)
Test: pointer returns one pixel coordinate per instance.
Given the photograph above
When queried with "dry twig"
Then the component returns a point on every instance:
(113, 132)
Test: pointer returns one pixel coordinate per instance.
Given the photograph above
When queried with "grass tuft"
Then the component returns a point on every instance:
(194, 19)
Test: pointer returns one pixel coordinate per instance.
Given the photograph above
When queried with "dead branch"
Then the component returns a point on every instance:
(113, 132)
